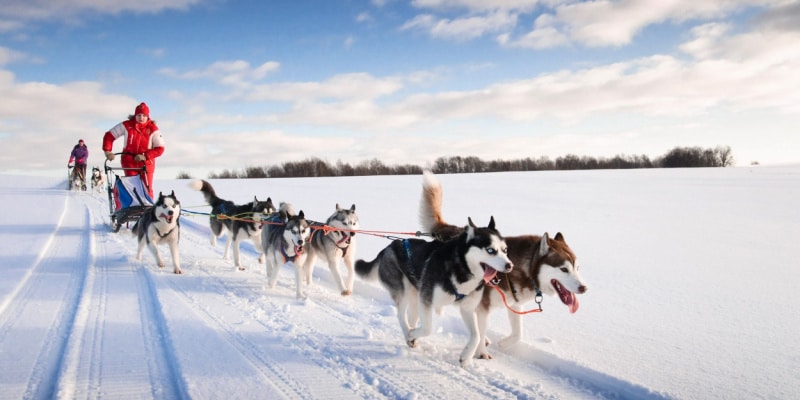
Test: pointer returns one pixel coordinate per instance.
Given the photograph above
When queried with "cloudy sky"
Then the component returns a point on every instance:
(236, 83)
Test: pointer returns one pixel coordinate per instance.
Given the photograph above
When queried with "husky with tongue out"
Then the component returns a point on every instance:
(422, 276)
(161, 225)
(542, 264)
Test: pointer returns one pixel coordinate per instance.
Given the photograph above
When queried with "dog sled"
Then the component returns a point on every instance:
(128, 196)
(75, 179)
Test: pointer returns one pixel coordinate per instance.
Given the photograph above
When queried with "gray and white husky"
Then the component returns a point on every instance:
(98, 180)
(338, 244)
(285, 239)
(423, 276)
(242, 221)
(160, 224)
(541, 263)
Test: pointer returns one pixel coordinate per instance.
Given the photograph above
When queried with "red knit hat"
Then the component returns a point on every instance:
(142, 109)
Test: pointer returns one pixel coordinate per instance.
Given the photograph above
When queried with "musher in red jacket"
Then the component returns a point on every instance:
(142, 140)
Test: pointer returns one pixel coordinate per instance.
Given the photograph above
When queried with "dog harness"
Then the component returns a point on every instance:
(286, 256)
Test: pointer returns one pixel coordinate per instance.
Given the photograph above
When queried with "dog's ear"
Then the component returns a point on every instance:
(301, 215)
(172, 194)
(472, 224)
(543, 246)
(559, 237)
(491, 223)
(469, 230)
(353, 207)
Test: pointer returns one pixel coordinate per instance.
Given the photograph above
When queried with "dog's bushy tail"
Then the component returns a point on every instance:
(208, 191)
(430, 209)
(367, 269)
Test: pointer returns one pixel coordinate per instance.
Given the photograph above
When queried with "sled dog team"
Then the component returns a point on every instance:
(464, 266)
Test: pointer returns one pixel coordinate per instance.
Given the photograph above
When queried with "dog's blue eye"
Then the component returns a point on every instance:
(491, 251)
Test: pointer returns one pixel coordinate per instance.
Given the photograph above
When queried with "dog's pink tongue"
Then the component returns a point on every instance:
(488, 274)
(573, 305)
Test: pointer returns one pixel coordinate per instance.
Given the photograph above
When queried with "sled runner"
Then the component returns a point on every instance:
(128, 196)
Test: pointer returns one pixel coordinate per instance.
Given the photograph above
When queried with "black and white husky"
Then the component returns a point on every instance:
(541, 265)
(335, 245)
(242, 221)
(285, 239)
(98, 180)
(423, 276)
(160, 224)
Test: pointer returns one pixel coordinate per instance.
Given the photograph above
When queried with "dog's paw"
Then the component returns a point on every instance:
(179, 271)
(465, 362)
(485, 356)
(262, 259)
(241, 268)
(347, 292)
(411, 343)
(161, 264)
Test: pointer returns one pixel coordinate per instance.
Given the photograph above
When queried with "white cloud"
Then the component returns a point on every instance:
(465, 28)
(587, 23)
(478, 5)
(39, 10)
(237, 73)
(343, 87)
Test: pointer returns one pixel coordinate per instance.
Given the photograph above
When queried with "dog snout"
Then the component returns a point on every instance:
(170, 213)
(509, 267)
(582, 289)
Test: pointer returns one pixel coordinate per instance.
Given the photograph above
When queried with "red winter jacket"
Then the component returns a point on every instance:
(139, 138)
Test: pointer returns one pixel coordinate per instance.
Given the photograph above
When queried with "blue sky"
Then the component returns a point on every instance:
(249, 83)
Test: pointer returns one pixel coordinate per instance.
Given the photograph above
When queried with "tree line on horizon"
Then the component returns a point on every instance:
(679, 157)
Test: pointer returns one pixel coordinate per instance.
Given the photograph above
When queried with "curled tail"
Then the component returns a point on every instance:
(430, 205)
(430, 209)
(208, 191)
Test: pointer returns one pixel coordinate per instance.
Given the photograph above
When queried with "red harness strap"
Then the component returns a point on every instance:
(503, 295)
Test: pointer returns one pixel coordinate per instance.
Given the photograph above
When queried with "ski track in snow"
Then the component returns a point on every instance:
(256, 334)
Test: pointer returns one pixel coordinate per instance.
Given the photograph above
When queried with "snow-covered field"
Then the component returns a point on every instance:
(692, 279)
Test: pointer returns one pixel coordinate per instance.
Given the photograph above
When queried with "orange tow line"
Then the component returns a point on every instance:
(538, 302)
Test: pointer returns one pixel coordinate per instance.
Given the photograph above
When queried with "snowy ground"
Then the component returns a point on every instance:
(692, 277)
